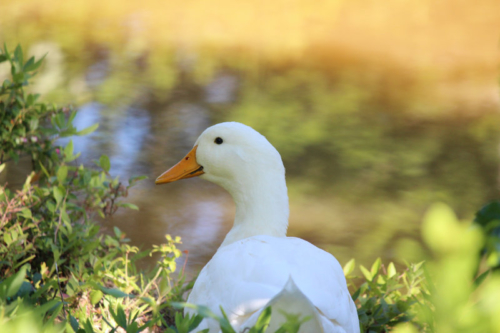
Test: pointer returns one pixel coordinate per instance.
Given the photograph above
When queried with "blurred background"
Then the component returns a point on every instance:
(378, 108)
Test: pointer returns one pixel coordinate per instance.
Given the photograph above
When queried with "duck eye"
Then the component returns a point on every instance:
(218, 140)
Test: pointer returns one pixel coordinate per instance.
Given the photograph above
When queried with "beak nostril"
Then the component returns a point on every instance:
(187, 158)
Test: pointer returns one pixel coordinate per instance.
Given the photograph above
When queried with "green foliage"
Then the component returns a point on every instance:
(459, 304)
(387, 298)
(448, 293)
(22, 117)
(489, 220)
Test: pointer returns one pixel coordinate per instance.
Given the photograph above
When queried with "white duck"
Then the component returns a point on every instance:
(257, 265)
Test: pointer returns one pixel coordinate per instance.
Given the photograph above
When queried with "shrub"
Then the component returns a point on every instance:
(386, 297)
(52, 255)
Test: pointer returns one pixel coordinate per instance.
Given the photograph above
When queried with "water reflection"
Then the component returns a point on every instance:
(129, 138)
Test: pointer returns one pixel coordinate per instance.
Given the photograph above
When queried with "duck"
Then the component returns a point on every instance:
(257, 266)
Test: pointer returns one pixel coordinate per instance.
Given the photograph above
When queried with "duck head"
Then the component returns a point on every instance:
(243, 162)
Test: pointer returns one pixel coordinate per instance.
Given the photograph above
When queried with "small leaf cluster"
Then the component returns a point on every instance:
(291, 325)
(22, 117)
(386, 297)
(488, 218)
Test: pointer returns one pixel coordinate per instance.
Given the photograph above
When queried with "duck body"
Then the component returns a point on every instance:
(257, 265)
(261, 267)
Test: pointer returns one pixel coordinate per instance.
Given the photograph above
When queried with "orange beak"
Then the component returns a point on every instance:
(186, 168)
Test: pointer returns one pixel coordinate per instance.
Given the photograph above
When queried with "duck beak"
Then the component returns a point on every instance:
(186, 168)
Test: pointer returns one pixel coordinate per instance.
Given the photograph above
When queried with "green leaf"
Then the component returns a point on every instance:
(87, 130)
(88, 326)
(127, 205)
(349, 267)
(262, 322)
(10, 286)
(356, 294)
(95, 296)
(133, 327)
(104, 163)
(114, 292)
(440, 228)
(58, 194)
(18, 78)
(33, 124)
(181, 322)
(18, 54)
(74, 323)
(117, 231)
(29, 100)
(120, 318)
(195, 322)
(26, 213)
(375, 267)
(68, 150)
(62, 173)
(36, 278)
(67, 132)
(72, 158)
(28, 64)
(224, 322)
(6, 50)
(59, 120)
(391, 270)
(31, 65)
(72, 116)
(479, 280)
(37, 63)
(366, 273)
(488, 213)
(44, 170)
(7, 238)
(135, 179)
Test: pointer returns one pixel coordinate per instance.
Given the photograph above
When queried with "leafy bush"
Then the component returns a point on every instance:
(387, 298)
(52, 255)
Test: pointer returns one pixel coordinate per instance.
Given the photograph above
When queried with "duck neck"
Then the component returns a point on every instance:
(261, 207)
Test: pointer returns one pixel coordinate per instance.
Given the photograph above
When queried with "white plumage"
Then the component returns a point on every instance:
(257, 265)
